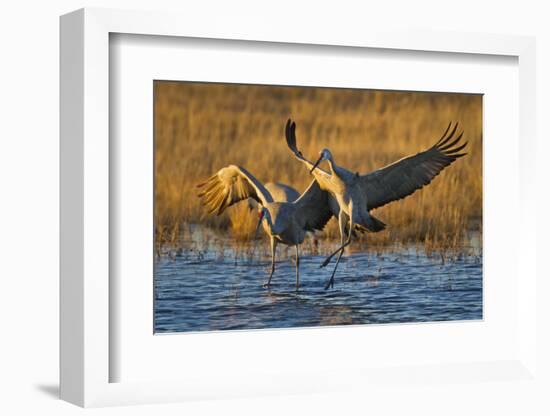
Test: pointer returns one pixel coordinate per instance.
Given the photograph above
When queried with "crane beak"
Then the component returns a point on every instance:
(316, 164)
(260, 218)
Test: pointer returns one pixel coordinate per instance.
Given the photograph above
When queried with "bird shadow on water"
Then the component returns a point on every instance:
(51, 390)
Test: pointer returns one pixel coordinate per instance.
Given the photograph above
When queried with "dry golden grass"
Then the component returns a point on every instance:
(200, 128)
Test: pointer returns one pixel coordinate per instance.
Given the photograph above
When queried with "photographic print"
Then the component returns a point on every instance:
(293, 207)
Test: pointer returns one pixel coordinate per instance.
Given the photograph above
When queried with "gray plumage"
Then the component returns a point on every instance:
(357, 195)
(284, 222)
(280, 192)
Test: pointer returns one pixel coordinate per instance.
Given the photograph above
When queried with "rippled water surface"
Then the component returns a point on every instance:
(205, 290)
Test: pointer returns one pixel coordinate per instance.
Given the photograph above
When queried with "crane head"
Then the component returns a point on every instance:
(323, 155)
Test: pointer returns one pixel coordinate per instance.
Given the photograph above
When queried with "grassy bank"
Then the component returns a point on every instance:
(200, 128)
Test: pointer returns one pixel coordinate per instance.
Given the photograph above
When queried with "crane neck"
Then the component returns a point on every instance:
(267, 217)
(333, 167)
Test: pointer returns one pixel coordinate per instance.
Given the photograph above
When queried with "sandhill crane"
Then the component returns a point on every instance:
(358, 194)
(284, 222)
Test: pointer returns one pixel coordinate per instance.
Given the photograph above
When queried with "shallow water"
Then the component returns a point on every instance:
(209, 289)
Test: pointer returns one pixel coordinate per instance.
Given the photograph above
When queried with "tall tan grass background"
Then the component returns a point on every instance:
(201, 127)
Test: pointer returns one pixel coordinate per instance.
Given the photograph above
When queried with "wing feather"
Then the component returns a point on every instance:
(407, 175)
(229, 186)
(312, 208)
(290, 134)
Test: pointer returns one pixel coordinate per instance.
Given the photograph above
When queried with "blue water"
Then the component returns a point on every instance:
(205, 290)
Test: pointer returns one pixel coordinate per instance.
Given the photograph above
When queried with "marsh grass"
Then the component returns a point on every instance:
(200, 128)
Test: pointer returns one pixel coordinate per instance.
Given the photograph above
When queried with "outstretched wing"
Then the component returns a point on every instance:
(402, 178)
(281, 192)
(290, 134)
(312, 208)
(229, 186)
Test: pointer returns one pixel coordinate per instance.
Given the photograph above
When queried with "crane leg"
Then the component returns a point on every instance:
(273, 247)
(339, 250)
(330, 282)
(343, 241)
(297, 268)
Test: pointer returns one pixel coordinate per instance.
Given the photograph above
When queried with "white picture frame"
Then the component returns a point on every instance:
(86, 356)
